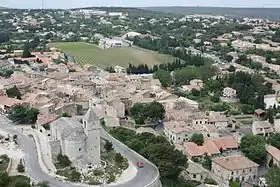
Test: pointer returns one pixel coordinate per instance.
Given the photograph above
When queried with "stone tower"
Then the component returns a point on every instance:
(92, 127)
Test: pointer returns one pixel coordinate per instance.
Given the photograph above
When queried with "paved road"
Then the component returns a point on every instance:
(143, 177)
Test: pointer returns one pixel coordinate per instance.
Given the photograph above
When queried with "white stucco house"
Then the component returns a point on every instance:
(80, 141)
(229, 93)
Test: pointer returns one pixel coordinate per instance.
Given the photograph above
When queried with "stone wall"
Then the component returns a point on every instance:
(55, 147)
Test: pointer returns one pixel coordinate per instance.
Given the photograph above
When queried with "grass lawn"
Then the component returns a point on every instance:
(85, 53)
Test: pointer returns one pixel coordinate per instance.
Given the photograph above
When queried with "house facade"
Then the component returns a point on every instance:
(262, 128)
(229, 93)
(236, 167)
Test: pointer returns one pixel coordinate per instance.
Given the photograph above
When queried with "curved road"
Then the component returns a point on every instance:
(143, 177)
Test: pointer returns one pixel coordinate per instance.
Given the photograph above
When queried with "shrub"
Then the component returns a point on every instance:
(210, 181)
(75, 176)
(63, 160)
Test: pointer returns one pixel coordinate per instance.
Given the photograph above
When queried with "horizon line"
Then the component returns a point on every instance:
(152, 6)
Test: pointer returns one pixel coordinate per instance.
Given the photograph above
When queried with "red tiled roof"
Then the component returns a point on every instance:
(211, 147)
(226, 143)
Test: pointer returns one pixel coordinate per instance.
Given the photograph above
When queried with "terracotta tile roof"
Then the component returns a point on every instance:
(236, 162)
(226, 143)
(6, 101)
(274, 152)
(211, 146)
(193, 150)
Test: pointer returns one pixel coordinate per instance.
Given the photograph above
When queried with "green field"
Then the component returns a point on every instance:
(85, 53)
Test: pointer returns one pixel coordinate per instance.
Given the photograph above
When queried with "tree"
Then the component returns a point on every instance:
(43, 184)
(276, 36)
(147, 111)
(164, 77)
(4, 178)
(23, 115)
(235, 184)
(231, 68)
(270, 115)
(108, 146)
(13, 93)
(272, 177)
(21, 184)
(155, 111)
(6, 73)
(229, 58)
(195, 92)
(253, 147)
(66, 115)
(247, 109)
(197, 138)
(215, 98)
(274, 140)
(26, 51)
(119, 158)
(63, 160)
(4, 36)
(207, 162)
(75, 176)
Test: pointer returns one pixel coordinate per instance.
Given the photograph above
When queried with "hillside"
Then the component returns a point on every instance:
(268, 13)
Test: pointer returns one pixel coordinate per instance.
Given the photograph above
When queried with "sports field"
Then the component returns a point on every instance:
(85, 53)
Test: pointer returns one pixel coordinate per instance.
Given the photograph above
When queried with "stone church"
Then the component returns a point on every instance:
(79, 140)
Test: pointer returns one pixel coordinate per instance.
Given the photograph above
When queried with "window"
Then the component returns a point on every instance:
(243, 170)
(250, 169)
(196, 122)
(254, 176)
(200, 122)
(80, 149)
(178, 138)
(232, 173)
(194, 176)
(243, 178)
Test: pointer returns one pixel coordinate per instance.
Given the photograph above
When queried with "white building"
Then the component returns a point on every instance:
(229, 93)
(179, 131)
(106, 43)
(262, 128)
(79, 141)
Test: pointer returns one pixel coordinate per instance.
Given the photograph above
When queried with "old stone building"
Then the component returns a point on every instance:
(80, 141)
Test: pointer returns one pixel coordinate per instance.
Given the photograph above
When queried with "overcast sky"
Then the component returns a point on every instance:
(137, 3)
